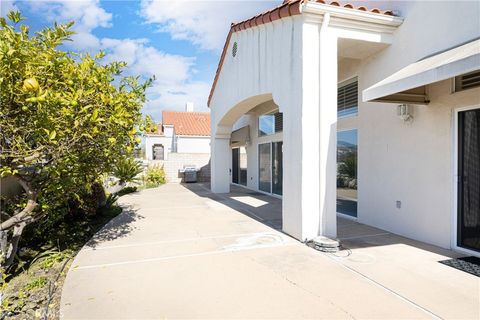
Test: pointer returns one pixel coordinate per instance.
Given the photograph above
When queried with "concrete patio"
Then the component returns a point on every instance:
(183, 252)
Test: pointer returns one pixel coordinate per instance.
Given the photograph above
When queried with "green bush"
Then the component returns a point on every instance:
(127, 170)
(155, 176)
(126, 190)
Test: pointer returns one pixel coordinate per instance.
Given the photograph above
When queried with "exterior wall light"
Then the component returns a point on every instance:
(405, 112)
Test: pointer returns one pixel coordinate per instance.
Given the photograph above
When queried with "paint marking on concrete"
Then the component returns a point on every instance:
(153, 243)
(159, 259)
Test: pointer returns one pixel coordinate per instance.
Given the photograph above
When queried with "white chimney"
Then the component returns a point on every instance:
(189, 107)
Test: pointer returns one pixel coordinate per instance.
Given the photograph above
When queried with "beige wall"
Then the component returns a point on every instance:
(411, 162)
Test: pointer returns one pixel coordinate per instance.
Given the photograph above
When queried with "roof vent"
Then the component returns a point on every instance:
(467, 81)
(234, 49)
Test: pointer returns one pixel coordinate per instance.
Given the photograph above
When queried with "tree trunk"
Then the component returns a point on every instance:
(12, 228)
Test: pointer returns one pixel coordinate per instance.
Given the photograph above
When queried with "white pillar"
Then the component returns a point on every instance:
(220, 164)
(328, 130)
(309, 197)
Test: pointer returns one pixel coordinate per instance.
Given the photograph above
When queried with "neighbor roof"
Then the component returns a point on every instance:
(287, 9)
(188, 123)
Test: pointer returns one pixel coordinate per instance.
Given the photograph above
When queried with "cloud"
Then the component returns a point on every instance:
(173, 86)
(205, 23)
(174, 97)
(6, 6)
(87, 14)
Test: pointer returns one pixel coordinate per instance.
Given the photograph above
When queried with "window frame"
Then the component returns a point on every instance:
(274, 114)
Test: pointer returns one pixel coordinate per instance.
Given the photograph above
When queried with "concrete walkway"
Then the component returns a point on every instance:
(182, 252)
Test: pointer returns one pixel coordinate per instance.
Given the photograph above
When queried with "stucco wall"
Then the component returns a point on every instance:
(150, 141)
(412, 162)
(177, 161)
(187, 144)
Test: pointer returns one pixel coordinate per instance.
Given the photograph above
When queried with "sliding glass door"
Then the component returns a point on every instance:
(239, 166)
(270, 167)
(468, 220)
(277, 168)
(264, 167)
(347, 172)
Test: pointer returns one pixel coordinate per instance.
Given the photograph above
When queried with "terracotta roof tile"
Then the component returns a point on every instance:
(286, 9)
(188, 123)
(157, 130)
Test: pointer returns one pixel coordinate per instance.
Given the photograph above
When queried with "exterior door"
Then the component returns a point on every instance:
(277, 168)
(235, 164)
(468, 220)
(158, 152)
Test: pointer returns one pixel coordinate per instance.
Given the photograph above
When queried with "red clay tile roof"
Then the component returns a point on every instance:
(156, 130)
(286, 9)
(188, 123)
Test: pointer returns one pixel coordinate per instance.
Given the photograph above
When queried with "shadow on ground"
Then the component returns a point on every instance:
(118, 227)
(268, 210)
(261, 207)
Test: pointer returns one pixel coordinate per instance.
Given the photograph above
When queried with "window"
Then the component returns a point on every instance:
(347, 98)
(270, 123)
(347, 172)
(467, 81)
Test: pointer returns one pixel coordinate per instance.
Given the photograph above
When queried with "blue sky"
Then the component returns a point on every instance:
(178, 41)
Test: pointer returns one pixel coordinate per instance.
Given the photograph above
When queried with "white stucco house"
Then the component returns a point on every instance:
(180, 132)
(351, 110)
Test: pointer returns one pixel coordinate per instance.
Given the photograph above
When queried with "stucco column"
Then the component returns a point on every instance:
(328, 130)
(220, 164)
(309, 197)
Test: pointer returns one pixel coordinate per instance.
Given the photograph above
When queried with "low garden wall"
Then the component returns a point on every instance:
(177, 161)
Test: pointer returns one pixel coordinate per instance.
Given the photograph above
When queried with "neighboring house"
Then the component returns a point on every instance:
(179, 132)
(182, 139)
(371, 113)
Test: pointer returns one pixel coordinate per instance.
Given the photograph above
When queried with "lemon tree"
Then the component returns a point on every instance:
(64, 120)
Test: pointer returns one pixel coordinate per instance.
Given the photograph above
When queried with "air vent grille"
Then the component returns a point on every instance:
(467, 81)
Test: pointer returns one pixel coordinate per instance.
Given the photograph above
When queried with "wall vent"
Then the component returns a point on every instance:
(467, 81)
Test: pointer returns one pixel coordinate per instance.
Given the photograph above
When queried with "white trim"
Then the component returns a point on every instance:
(454, 216)
(346, 17)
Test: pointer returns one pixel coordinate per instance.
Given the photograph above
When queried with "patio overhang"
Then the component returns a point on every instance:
(409, 85)
(240, 137)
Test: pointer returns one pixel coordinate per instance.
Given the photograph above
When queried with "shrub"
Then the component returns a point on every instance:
(155, 176)
(126, 190)
(127, 170)
(64, 117)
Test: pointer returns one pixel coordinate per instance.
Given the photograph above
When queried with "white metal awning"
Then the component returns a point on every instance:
(240, 137)
(409, 84)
